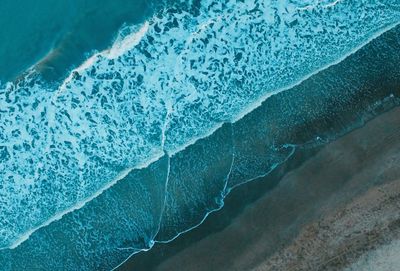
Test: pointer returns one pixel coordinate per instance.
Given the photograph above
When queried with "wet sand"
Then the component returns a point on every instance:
(336, 203)
(264, 219)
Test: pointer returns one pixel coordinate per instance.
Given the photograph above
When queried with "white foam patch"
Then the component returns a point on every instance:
(385, 258)
(22, 238)
(120, 46)
(129, 41)
(176, 79)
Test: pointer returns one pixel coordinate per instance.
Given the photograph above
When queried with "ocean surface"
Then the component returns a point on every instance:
(125, 123)
(61, 34)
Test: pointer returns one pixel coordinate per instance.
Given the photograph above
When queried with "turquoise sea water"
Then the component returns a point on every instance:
(61, 33)
(28, 31)
(139, 117)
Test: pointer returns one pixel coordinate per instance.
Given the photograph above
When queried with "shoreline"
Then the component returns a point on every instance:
(372, 85)
(235, 241)
(306, 177)
(242, 116)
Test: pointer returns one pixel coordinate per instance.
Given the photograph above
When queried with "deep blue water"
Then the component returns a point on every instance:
(137, 118)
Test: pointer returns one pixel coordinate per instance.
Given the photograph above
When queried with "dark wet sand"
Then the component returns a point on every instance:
(265, 223)
(335, 203)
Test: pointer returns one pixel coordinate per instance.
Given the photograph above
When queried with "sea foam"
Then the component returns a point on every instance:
(178, 78)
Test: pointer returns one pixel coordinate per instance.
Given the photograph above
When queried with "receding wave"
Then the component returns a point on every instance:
(161, 87)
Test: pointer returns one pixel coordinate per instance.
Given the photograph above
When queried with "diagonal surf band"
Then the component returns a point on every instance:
(188, 72)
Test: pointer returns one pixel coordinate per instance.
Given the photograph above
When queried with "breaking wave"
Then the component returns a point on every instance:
(132, 112)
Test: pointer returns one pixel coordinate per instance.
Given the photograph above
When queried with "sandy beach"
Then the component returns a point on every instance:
(340, 201)
(318, 209)
(202, 135)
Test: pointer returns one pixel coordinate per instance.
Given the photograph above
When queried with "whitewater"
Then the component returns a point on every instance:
(156, 91)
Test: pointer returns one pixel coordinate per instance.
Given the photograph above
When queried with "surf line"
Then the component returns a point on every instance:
(243, 113)
(82, 203)
(116, 50)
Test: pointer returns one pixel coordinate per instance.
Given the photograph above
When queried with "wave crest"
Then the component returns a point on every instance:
(177, 81)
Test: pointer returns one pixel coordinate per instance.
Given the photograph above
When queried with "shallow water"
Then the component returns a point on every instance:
(112, 141)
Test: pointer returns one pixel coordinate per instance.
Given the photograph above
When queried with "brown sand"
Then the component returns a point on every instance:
(342, 202)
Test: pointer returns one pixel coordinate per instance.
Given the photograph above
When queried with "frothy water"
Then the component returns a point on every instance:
(161, 87)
